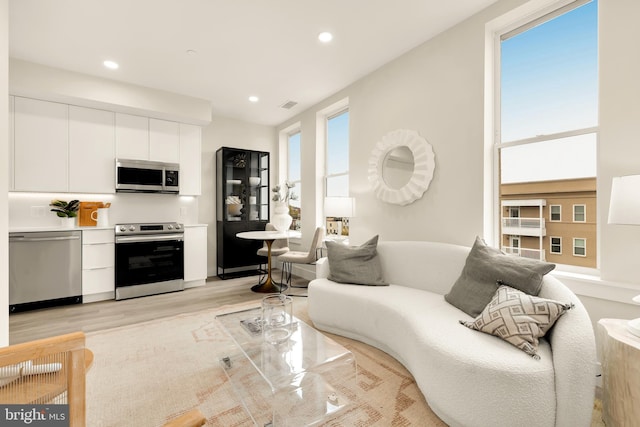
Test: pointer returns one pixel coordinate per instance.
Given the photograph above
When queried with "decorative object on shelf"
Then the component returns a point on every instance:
(254, 181)
(240, 160)
(401, 167)
(340, 209)
(234, 206)
(277, 318)
(281, 219)
(624, 209)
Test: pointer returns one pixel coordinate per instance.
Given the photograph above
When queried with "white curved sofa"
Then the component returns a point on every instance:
(469, 378)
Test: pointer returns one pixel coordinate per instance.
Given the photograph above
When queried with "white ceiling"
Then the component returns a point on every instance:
(267, 48)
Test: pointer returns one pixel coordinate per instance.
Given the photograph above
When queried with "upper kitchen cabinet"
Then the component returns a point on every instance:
(143, 138)
(190, 160)
(91, 150)
(132, 137)
(164, 141)
(41, 145)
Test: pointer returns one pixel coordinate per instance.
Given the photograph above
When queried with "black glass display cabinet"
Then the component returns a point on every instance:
(242, 204)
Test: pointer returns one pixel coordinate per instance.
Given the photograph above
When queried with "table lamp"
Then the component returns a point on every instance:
(624, 208)
(339, 208)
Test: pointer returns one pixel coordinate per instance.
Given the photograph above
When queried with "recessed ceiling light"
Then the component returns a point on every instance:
(325, 37)
(253, 98)
(191, 52)
(111, 65)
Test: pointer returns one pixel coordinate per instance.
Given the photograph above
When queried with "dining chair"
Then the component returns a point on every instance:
(301, 257)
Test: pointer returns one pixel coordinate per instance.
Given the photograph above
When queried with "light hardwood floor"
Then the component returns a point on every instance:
(97, 316)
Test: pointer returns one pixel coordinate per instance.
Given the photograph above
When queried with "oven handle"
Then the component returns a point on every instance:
(154, 238)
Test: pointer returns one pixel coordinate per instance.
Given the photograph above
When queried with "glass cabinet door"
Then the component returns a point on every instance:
(235, 190)
(258, 186)
(243, 185)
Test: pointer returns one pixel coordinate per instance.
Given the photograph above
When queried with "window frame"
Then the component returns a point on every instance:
(551, 245)
(327, 176)
(510, 23)
(297, 183)
(551, 213)
(583, 247)
(584, 212)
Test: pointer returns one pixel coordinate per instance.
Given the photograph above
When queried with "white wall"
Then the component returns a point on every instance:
(224, 132)
(4, 160)
(437, 89)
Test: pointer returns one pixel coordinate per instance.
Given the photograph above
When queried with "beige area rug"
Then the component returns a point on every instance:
(148, 373)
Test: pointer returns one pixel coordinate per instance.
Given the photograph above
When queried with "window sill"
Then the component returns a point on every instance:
(592, 285)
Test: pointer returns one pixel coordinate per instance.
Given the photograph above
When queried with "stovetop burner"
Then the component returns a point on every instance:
(149, 228)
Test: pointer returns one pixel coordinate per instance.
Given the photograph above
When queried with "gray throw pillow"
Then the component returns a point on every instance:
(358, 265)
(484, 267)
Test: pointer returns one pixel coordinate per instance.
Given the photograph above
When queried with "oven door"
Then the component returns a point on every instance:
(149, 259)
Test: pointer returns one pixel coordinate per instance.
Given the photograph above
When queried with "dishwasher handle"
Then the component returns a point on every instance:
(41, 239)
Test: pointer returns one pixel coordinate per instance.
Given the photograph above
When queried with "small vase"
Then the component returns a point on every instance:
(68, 222)
(281, 219)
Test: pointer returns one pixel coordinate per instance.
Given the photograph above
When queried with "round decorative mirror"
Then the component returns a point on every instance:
(397, 167)
(401, 167)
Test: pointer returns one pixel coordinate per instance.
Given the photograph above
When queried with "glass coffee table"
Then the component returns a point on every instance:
(303, 381)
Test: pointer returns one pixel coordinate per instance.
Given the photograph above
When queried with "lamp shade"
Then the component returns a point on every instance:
(624, 207)
(343, 207)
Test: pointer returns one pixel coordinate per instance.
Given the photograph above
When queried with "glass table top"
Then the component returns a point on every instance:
(302, 381)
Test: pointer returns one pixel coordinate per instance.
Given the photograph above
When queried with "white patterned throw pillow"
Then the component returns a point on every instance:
(518, 318)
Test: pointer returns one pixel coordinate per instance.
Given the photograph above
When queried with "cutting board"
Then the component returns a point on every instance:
(84, 213)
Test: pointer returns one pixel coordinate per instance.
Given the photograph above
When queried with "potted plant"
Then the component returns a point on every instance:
(66, 210)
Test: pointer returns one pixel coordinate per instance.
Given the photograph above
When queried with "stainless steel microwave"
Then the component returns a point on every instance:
(141, 176)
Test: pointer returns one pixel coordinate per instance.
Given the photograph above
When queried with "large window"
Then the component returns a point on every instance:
(337, 160)
(548, 113)
(294, 176)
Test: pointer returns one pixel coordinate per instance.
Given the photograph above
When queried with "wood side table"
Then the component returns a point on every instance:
(620, 353)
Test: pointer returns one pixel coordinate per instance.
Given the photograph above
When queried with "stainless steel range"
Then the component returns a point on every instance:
(149, 259)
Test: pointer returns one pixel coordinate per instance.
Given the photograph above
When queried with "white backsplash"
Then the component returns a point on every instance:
(33, 210)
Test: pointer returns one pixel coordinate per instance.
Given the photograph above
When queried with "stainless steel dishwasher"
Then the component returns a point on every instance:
(45, 269)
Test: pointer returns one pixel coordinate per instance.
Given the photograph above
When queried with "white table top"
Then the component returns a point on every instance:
(263, 235)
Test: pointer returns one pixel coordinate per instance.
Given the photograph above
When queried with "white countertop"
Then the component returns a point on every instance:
(55, 228)
(26, 229)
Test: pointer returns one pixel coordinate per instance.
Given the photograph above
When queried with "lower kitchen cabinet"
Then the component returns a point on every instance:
(195, 255)
(98, 265)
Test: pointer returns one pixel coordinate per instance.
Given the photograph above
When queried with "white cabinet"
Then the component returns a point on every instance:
(132, 137)
(41, 145)
(142, 138)
(164, 141)
(91, 150)
(11, 139)
(98, 265)
(195, 255)
(190, 160)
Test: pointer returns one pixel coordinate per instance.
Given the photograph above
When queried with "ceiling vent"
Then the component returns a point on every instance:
(289, 105)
